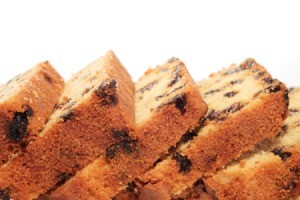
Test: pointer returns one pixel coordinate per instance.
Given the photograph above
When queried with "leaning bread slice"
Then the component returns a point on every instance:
(271, 172)
(26, 102)
(167, 104)
(96, 105)
(245, 106)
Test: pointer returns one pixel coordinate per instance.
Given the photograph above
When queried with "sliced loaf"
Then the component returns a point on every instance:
(167, 104)
(97, 105)
(246, 105)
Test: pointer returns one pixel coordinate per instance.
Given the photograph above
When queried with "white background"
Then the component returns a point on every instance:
(206, 35)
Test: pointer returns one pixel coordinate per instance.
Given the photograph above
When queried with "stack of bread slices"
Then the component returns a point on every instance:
(235, 135)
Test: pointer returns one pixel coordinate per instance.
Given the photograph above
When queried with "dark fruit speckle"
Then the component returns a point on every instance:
(257, 94)
(260, 74)
(147, 87)
(160, 96)
(273, 89)
(131, 187)
(111, 152)
(282, 154)
(290, 186)
(180, 103)
(18, 127)
(283, 129)
(175, 80)
(4, 194)
(247, 64)
(213, 114)
(293, 110)
(66, 116)
(63, 177)
(234, 108)
(125, 144)
(86, 90)
(230, 94)
(221, 115)
(189, 135)
(107, 92)
(168, 94)
(47, 78)
(212, 91)
(239, 81)
(232, 71)
(183, 162)
(177, 75)
(286, 98)
(199, 182)
(118, 134)
(268, 80)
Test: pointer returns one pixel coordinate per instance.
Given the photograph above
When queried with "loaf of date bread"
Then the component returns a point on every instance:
(246, 105)
(167, 104)
(26, 103)
(96, 106)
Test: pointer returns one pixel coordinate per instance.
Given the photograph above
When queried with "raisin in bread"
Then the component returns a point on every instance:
(26, 103)
(246, 105)
(272, 171)
(167, 104)
(96, 105)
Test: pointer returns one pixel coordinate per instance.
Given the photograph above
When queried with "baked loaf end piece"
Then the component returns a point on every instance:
(26, 103)
(269, 173)
(245, 106)
(96, 105)
(167, 104)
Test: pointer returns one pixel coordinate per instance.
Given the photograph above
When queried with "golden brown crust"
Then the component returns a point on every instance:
(29, 104)
(76, 137)
(169, 120)
(226, 139)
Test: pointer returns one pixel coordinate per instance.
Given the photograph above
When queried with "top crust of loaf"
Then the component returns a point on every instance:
(26, 103)
(95, 104)
(246, 105)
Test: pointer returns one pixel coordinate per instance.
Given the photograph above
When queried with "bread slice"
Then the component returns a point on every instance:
(167, 104)
(271, 172)
(246, 105)
(26, 103)
(97, 105)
